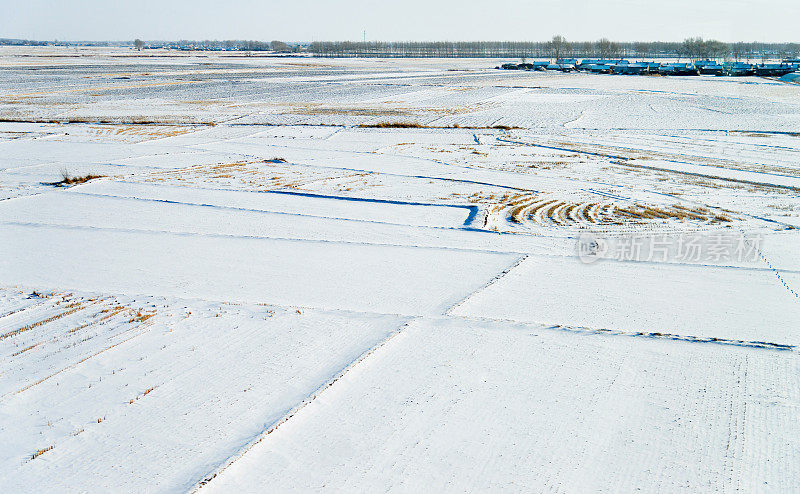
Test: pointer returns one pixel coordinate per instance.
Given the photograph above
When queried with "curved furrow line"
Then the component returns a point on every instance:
(523, 214)
(558, 215)
(607, 212)
(593, 213)
(583, 214)
(549, 216)
(529, 213)
(573, 212)
(540, 212)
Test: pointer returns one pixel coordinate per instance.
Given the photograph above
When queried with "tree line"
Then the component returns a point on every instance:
(21, 42)
(219, 45)
(558, 47)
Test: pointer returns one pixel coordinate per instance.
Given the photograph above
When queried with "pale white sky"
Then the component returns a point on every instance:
(308, 20)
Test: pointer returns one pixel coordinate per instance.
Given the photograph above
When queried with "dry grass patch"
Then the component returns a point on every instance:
(141, 316)
(526, 208)
(392, 125)
(67, 179)
(415, 125)
(70, 309)
(41, 452)
(141, 395)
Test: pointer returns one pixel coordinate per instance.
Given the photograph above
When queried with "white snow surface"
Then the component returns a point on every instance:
(477, 406)
(263, 291)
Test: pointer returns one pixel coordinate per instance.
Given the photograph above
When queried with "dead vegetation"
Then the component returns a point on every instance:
(31, 347)
(310, 109)
(141, 395)
(141, 316)
(392, 125)
(132, 120)
(764, 133)
(70, 309)
(259, 175)
(67, 179)
(547, 210)
(415, 125)
(41, 452)
(114, 324)
(142, 131)
(676, 211)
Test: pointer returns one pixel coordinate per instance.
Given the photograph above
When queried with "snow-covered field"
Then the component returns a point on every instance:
(551, 283)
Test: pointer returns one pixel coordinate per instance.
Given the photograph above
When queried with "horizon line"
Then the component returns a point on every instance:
(55, 40)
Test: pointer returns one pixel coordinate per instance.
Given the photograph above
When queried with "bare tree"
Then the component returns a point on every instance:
(642, 49)
(607, 49)
(138, 44)
(716, 49)
(693, 48)
(279, 46)
(738, 51)
(558, 46)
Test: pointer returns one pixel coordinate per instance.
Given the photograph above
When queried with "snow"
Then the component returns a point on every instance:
(295, 203)
(399, 280)
(633, 296)
(264, 293)
(219, 374)
(470, 406)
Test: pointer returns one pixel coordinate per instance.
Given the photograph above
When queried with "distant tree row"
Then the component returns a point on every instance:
(217, 45)
(558, 47)
(228, 44)
(21, 42)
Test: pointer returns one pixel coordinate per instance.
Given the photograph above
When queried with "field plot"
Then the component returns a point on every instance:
(402, 280)
(286, 274)
(294, 203)
(701, 301)
(461, 406)
(107, 381)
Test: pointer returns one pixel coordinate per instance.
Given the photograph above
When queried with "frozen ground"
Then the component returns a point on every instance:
(556, 283)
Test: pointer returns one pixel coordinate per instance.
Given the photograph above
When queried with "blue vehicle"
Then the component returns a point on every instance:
(679, 69)
(711, 69)
(773, 69)
(741, 69)
(631, 68)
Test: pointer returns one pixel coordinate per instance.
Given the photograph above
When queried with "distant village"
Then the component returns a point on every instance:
(625, 67)
(707, 57)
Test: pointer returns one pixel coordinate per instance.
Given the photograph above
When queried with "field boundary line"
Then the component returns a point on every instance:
(651, 335)
(207, 478)
(486, 285)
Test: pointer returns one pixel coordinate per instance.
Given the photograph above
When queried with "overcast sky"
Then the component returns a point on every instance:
(308, 20)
